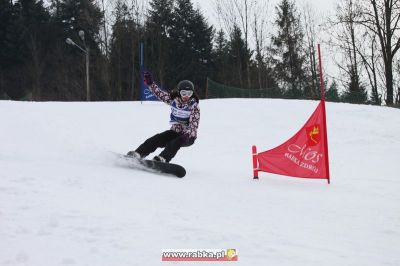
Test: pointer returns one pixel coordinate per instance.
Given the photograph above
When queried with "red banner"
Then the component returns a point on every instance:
(304, 155)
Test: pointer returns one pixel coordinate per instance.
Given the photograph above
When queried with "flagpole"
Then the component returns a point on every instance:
(324, 114)
(321, 80)
(255, 162)
(141, 71)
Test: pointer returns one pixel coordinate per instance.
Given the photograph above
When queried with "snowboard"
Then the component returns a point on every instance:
(155, 166)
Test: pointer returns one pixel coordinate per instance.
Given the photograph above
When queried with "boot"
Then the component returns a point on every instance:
(159, 158)
(134, 154)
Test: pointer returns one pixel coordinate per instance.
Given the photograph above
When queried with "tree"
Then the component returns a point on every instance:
(220, 55)
(22, 44)
(34, 19)
(343, 32)
(73, 16)
(287, 48)
(355, 92)
(383, 18)
(398, 87)
(105, 37)
(8, 52)
(191, 43)
(332, 94)
(260, 27)
(122, 53)
(138, 9)
(238, 14)
(370, 59)
(309, 19)
(237, 56)
(158, 26)
(202, 40)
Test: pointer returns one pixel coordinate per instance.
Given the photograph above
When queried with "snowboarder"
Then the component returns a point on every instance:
(184, 118)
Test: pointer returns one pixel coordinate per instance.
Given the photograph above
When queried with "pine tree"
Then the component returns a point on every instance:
(355, 92)
(287, 48)
(238, 55)
(202, 39)
(191, 40)
(122, 53)
(29, 45)
(332, 94)
(7, 16)
(158, 26)
(220, 55)
(8, 52)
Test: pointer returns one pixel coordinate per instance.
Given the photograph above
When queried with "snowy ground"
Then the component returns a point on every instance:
(64, 201)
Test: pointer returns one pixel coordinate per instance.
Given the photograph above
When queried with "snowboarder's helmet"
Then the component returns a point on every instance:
(185, 85)
(185, 88)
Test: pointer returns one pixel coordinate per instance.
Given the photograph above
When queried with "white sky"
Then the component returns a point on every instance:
(322, 7)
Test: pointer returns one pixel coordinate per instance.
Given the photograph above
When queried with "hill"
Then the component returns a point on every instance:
(65, 199)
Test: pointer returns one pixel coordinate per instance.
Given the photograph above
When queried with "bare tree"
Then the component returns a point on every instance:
(105, 41)
(106, 7)
(343, 32)
(370, 60)
(309, 21)
(398, 85)
(383, 18)
(260, 26)
(237, 12)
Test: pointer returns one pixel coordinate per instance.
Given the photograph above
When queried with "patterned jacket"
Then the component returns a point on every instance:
(189, 112)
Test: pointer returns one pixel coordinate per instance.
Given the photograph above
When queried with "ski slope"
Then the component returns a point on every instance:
(66, 200)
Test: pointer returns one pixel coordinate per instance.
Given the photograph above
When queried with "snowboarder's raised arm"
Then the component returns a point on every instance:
(159, 93)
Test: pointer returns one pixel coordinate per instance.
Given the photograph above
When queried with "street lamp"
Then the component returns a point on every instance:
(86, 51)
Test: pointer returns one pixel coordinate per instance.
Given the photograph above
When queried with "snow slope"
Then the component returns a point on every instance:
(64, 200)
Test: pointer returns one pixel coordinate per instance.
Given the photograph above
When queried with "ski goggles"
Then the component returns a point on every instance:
(186, 93)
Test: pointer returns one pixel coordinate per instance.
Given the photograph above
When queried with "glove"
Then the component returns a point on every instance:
(174, 94)
(186, 139)
(147, 78)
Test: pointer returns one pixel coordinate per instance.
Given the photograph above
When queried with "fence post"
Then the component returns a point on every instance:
(206, 94)
(255, 162)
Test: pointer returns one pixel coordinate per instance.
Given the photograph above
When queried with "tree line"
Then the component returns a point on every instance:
(248, 49)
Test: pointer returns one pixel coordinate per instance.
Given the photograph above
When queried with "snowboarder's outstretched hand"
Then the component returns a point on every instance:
(147, 78)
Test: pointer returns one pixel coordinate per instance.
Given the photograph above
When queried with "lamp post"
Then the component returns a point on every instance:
(86, 51)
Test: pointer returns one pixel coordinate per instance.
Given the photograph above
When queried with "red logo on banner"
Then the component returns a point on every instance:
(303, 155)
(314, 135)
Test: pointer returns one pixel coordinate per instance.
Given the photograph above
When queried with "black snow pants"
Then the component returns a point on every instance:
(170, 140)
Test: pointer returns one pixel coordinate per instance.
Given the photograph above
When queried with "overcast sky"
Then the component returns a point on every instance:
(322, 7)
